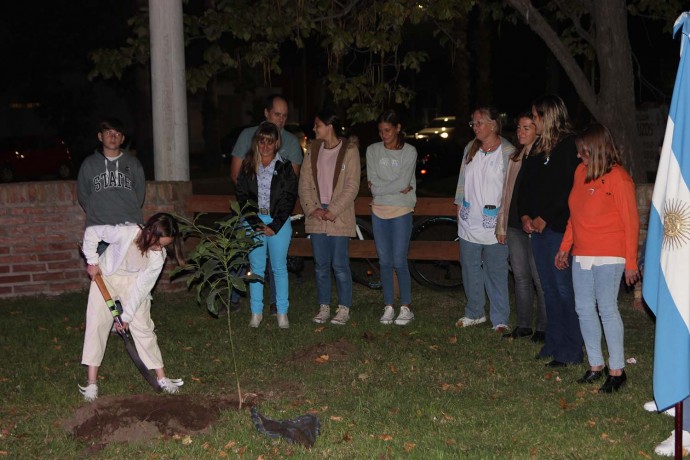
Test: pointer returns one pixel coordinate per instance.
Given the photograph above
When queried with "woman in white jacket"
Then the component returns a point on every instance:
(129, 267)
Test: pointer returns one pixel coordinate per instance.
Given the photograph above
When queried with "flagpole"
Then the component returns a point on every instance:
(679, 431)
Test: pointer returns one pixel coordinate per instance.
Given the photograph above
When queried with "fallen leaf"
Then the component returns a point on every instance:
(187, 348)
(222, 454)
(631, 361)
(409, 446)
(646, 455)
(347, 437)
(446, 386)
(363, 376)
(242, 450)
(453, 339)
(57, 347)
(394, 410)
(394, 370)
(187, 440)
(385, 437)
(533, 452)
(336, 418)
(322, 359)
(558, 379)
(451, 442)
(319, 329)
(548, 376)
(591, 423)
(230, 445)
(447, 417)
(196, 379)
(206, 446)
(604, 436)
(434, 347)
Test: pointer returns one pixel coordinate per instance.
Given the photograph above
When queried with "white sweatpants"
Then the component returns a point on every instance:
(99, 321)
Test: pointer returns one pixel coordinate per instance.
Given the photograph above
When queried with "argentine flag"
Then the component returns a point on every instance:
(666, 286)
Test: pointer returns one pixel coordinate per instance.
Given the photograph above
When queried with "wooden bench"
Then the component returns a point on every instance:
(300, 246)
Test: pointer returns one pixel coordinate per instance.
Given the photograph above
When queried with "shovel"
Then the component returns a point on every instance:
(116, 308)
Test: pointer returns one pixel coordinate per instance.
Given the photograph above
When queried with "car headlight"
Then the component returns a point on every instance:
(444, 135)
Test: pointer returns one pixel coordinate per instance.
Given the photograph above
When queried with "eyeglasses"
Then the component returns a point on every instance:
(266, 141)
(478, 124)
(112, 133)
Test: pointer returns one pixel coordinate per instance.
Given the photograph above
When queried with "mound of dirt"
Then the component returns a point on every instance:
(142, 418)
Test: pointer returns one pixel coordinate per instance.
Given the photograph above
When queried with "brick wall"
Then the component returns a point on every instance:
(41, 224)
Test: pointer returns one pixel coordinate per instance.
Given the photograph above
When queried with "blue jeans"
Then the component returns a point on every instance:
(332, 252)
(485, 269)
(526, 279)
(392, 239)
(599, 287)
(277, 247)
(563, 338)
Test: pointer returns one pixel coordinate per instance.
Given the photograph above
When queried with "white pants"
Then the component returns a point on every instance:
(99, 321)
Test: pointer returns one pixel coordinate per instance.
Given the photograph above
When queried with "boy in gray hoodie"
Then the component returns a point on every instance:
(111, 186)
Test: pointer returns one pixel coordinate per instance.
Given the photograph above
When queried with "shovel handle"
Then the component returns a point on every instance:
(107, 297)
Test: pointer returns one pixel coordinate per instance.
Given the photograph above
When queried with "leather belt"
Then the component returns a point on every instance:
(264, 211)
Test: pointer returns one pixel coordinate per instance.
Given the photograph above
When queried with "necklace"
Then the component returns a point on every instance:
(491, 149)
(325, 145)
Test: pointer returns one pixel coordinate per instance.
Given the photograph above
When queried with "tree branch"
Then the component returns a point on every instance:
(541, 27)
(343, 12)
(566, 8)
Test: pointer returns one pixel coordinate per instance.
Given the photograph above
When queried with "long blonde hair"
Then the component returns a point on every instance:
(556, 125)
(597, 142)
(266, 130)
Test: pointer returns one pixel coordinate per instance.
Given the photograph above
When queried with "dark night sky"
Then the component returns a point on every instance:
(44, 48)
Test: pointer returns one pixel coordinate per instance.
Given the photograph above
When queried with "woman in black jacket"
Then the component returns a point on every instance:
(268, 182)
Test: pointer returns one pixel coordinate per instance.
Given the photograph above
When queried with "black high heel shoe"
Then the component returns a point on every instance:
(613, 383)
(592, 376)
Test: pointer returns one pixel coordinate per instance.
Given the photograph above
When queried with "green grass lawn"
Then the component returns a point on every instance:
(427, 391)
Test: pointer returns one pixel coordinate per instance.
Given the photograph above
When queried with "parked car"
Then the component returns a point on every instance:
(441, 127)
(299, 132)
(440, 155)
(32, 157)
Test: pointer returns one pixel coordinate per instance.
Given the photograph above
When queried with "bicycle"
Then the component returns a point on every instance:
(365, 271)
(440, 275)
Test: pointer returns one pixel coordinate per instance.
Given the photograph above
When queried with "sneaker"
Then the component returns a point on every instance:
(667, 447)
(650, 406)
(170, 386)
(467, 322)
(342, 314)
(90, 392)
(404, 317)
(323, 315)
(502, 329)
(283, 322)
(256, 320)
(388, 314)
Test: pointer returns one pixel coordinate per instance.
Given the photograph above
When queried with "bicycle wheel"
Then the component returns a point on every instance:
(436, 274)
(365, 271)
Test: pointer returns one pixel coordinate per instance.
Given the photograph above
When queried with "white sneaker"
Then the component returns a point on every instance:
(323, 315)
(404, 317)
(283, 322)
(650, 406)
(90, 392)
(467, 322)
(170, 386)
(342, 314)
(256, 320)
(388, 314)
(667, 448)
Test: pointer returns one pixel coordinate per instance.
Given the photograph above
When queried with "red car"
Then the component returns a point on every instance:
(34, 157)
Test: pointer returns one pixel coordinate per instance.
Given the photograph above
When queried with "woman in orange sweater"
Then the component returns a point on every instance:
(603, 234)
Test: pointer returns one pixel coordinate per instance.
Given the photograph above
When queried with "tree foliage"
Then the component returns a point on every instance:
(361, 41)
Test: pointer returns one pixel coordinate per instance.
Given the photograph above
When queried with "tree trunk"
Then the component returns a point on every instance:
(614, 104)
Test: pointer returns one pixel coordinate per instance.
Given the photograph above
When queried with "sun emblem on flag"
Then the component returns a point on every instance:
(676, 224)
